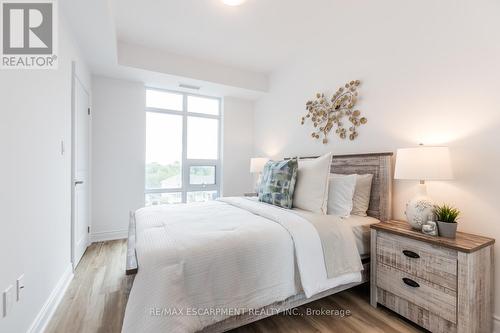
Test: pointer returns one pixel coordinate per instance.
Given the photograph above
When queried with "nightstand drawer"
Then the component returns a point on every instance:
(424, 294)
(418, 315)
(434, 264)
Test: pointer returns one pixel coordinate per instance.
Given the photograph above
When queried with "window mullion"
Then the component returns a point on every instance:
(165, 111)
(185, 168)
(197, 162)
(202, 115)
(218, 168)
(162, 190)
(201, 188)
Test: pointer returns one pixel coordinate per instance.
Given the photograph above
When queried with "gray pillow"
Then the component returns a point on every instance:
(361, 199)
(278, 183)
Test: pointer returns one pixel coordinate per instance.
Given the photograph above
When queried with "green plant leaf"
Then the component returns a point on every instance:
(446, 213)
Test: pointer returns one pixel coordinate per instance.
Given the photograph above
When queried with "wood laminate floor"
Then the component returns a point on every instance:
(96, 298)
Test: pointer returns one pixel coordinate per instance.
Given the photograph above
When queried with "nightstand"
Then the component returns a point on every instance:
(441, 284)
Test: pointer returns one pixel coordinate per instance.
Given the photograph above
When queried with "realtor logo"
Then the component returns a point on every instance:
(29, 37)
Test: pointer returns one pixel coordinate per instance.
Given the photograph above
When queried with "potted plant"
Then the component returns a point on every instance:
(447, 220)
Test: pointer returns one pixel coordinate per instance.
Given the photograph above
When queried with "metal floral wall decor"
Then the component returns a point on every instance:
(337, 112)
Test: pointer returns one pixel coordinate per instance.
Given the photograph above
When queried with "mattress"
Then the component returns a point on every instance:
(201, 263)
(361, 229)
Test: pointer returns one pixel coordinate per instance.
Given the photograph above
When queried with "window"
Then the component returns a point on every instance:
(202, 175)
(164, 100)
(203, 138)
(182, 147)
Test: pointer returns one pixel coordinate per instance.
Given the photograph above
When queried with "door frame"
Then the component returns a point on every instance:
(74, 80)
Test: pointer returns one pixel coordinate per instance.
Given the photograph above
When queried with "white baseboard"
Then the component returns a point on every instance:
(43, 318)
(108, 235)
(496, 324)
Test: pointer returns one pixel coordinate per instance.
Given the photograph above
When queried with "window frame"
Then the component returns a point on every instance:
(185, 162)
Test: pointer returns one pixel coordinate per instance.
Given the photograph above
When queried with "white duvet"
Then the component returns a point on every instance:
(201, 263)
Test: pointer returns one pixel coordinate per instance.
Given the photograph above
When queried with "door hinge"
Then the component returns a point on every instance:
(88, 110)
(88, 229)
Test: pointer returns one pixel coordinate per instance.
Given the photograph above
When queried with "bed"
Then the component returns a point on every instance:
(262, 260)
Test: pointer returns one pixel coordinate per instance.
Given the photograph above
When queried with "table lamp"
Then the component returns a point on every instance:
(257, 166)
(422, 163)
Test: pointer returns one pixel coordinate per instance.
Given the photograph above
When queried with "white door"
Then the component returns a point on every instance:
(81, 144)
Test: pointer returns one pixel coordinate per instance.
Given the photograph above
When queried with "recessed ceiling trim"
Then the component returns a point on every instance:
(160, 61)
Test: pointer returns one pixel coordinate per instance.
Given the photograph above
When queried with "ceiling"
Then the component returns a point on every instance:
(235, 50)
(259, 35)
(156, 66)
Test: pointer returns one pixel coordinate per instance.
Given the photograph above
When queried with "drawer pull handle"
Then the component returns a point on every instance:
(411, 254)
(411, 283)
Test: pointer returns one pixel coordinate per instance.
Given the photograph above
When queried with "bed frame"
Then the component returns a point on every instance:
(378, 164)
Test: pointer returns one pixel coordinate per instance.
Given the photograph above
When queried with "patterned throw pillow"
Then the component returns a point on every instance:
(278, 183)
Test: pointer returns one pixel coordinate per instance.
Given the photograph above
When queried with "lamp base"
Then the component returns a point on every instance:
(257, 183)
(418, 211)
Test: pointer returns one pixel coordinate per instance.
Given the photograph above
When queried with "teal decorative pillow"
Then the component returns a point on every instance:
(278, 183)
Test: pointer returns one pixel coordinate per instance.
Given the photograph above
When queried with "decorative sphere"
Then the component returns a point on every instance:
(418, 211)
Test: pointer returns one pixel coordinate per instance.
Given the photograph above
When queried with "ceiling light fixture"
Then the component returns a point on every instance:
(233, 2)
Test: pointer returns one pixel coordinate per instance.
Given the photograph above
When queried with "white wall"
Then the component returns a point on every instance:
(237, 146)
(118, 148)
(35, 190)
(430, 73)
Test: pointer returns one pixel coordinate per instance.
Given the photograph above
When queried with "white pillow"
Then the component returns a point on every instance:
(340, 194)
(361, 198)
(311, 188)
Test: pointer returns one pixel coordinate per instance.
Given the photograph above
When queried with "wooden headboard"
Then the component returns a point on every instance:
(378, 164)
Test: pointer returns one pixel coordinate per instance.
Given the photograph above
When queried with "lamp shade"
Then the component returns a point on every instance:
(423, 163)
(233, 2)
(257, 164)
